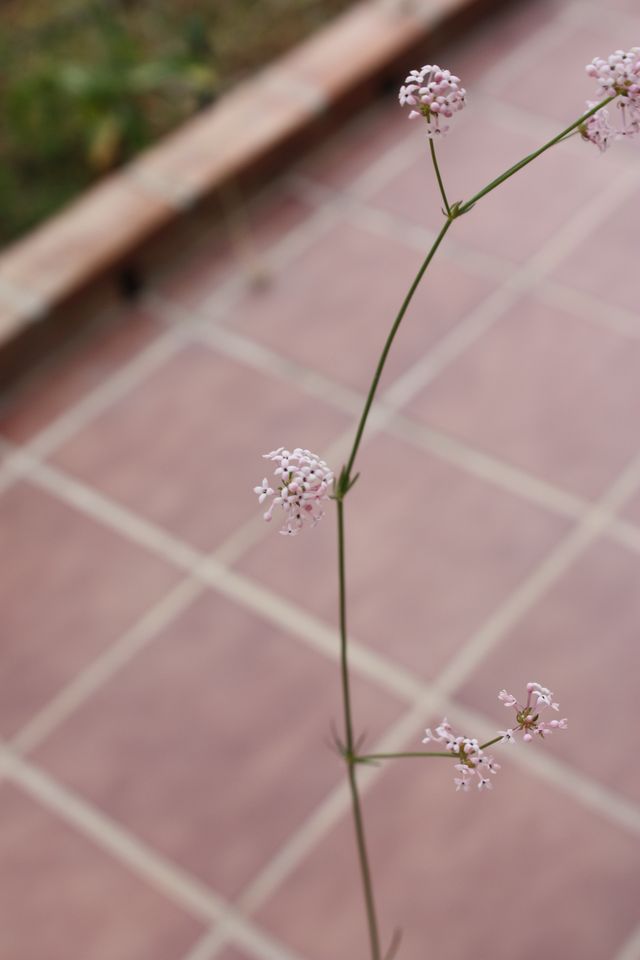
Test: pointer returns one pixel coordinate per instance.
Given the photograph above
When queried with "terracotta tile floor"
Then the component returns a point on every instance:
(168, 788)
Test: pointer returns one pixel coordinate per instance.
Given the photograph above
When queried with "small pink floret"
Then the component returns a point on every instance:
(436, 93)
(303, 482)
(618, 76)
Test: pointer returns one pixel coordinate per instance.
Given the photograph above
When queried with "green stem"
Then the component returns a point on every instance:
(342, 489)
(464, 207)
(387, 347)
(419, 753)
(438, 177)
(397, 756)
(349, 753)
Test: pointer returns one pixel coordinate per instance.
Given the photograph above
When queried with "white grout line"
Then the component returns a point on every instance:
(589, 794)
(549, 291)
(161, 874)
(388, 166)
(105, 666)
(539, 48)
(523, 280)
(280, 254)
(92, 503)
(488, 468)
(209, 945)
(375, 667)
(385, 223)
(210, 571)
(317, 634)
(630, 950)
(594, 796)
(350, 401)
(587, 307)
(236, 345)
(627, 23)
(542, 763)
(555, 565)
(329, 812)
(321, 636)
(625, 534)
(116, 386)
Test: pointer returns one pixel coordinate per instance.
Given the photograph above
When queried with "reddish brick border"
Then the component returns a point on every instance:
(242, 138)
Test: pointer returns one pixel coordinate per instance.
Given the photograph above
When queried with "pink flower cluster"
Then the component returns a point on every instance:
(619, 76)
(303, 481)
(436, 95)
(472, 761)
(528, 715)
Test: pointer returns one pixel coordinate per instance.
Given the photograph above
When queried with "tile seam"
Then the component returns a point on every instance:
(297, 622)
(630, 949)
(98, 673)
(178, 885)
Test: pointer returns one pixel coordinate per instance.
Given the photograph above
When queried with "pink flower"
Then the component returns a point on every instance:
(436, 94)
(528, 715)
(597, 129)
(471, 759)
(303, 481)
(619, 76)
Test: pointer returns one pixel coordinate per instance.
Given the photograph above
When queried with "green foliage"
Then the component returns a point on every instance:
(88, 83)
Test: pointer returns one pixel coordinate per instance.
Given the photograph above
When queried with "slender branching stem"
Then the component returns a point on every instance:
(434, 160)
(349, 752)
(464, 207)
(365, 757)
(385, 351)
(343, 486)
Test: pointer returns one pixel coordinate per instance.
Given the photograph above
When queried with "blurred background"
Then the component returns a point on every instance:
(88, 83)
(168, 663)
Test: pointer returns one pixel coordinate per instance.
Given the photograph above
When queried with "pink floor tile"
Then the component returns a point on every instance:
(71, 588)
(361, 145)
(184, 448)
(63, 897)
(238, 249)
(600, 265)
(549, 393)
(505, 33)
(431, 552)
(524, 871)
(327, 312)
(519, 217)
(581, 640)
(65, 381)
(230, 953)
(214, 744)
(536, 86)
(632, 510)
(211, 746)
(627, 6)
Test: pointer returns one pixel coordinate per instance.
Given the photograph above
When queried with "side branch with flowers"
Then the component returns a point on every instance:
(303, 483)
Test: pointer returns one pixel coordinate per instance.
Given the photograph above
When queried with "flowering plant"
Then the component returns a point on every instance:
(302, 482)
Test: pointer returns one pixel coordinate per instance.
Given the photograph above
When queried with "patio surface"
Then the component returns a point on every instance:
(170, 663)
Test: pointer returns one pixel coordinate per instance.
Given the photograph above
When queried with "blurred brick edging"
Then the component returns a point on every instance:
(241, 139)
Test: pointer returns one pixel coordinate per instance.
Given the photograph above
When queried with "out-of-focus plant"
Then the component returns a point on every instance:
(84, 84)
(69, 117)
